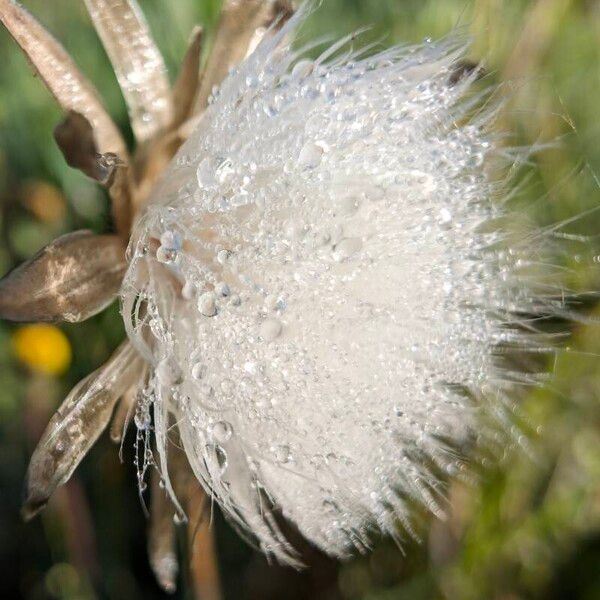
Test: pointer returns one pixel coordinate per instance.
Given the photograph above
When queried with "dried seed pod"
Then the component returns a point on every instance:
(120, 190)
(282, 11)
(123, 413)
(186, 86)
(201, 545)
(276, 15)
(201, 550)
(161, 537)
(76, 140)
(76, 426)
(239, 21)
(60, 75)
(138, 64)
(71, 279)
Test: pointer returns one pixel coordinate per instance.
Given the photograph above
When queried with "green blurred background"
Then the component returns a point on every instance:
(530, 527)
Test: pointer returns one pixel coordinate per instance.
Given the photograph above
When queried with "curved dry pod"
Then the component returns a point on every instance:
(137, 62)
(279, 11)
(186, 85)
(76, 426)
(201, 545)
(237, 26)
(75, 138)
(123, 413)
(60, 75)
(73, 278)
(161, 537)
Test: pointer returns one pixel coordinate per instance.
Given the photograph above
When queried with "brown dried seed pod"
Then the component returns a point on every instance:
(239, 21)
(161, 537)
(186, 85)
(76, 426)
(138, 64)
(71, 279)
(60, 75)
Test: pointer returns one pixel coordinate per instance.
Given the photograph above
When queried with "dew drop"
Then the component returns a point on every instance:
(205, 174)
(224, 171)
(222, 431)
(282, 453)
(376, 193)
(198, 371)
(167, 256)
(222, 289)
(275, 303)
(250, 367)
(346, 248)
(303, 68)
(188, 291)
(310, 156)
(226, 386)
(156, 328)
(171, 239)
(445, 217)
(270, 110)
(207, 391)
(270, 329)
(321, 238)
(207, 304)
(345, 206)
(223, 256)
(167, 373)
(142, 419)
(221, 457)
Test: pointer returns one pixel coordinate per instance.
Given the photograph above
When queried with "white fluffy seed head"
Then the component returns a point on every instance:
(328, 288)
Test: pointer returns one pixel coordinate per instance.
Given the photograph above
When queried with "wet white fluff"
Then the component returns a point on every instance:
(320, 288)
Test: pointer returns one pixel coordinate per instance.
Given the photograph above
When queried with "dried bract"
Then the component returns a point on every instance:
(76, 425)
(71, 279)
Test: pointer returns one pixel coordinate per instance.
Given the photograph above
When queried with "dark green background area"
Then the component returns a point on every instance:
(530, 527)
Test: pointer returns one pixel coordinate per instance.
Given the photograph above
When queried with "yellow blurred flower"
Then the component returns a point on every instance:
(43, 348)
(44, 200)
